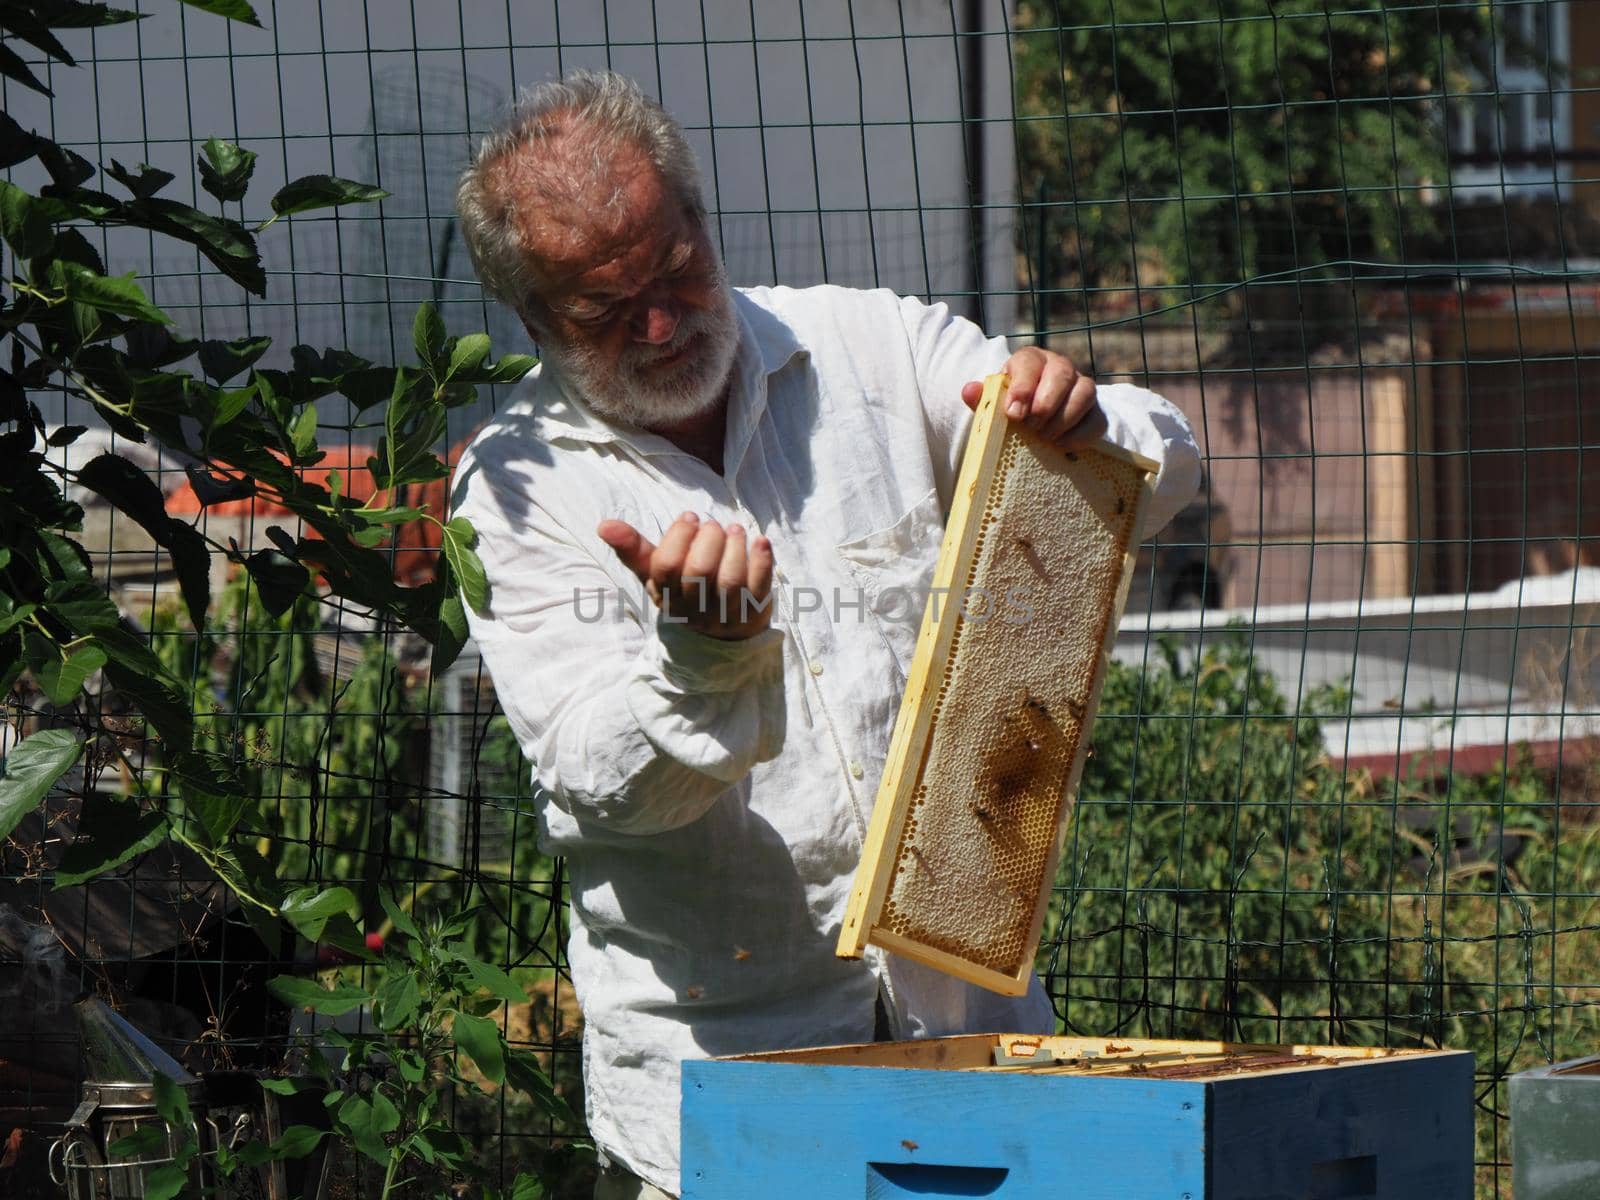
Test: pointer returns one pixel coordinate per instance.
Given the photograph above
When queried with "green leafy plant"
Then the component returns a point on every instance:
(188, 748)
(247, 429)
(433, 1038)
(1224, 878)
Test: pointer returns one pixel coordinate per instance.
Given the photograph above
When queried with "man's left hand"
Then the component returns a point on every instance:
(1049, 396)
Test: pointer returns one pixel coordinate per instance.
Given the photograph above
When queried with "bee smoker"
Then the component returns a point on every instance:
(120, 1065)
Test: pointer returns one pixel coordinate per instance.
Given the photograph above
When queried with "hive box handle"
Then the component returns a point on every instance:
(1345, 1178)
(888, 1181)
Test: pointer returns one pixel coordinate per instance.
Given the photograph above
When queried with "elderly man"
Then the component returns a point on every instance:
(690, 516)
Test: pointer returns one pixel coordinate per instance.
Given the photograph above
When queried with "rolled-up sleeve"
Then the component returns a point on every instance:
(630, 720)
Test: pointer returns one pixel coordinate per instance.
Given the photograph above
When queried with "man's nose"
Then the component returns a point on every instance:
(656, 322)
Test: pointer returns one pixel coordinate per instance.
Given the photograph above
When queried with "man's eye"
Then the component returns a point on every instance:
(586, 312)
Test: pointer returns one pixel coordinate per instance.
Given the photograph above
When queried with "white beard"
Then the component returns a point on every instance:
(625, 391)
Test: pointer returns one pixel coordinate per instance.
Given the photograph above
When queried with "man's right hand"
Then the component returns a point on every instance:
(701, 574)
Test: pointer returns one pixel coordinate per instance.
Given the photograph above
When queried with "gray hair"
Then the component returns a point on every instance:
(611, 111)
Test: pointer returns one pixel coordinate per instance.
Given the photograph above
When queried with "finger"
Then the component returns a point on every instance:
(1024, 368)
(1081, 419)
(1077, 401)
(1086, 432)
(971, 393)
(666, 564)
(705, 553)
(632, 547)
(760, 568)
(1050, 397)
(735, 559)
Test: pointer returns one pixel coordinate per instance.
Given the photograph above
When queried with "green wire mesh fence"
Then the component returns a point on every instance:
(1343, 785)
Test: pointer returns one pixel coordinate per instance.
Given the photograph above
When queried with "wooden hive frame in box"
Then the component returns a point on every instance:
(993, 729)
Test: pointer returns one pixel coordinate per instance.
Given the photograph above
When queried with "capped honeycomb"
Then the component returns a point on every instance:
(980, 798)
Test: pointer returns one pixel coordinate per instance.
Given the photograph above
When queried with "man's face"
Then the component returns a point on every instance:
(634, 312)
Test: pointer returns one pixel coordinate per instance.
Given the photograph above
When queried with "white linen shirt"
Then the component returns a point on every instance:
(711, 797)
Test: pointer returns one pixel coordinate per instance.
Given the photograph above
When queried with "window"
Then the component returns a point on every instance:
(1511, 138)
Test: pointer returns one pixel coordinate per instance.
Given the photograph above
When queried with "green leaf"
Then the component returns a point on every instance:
(470, 351)
(67, 167)
(228, 244)
(398, 1000)
(234, 10)
(225, 168)
(368, 1119)
(191, 559)
(303, 431)
(524, 1074)
(292, 1086)
(12, 66)
(24, 222)
(398, 917)
(145, 184)
(29, 771)
(118, 830)
(65, 435)
(172, 1103)
(19, 22)
(142, 1141)
(459, 538)
(278, 578)
(69, 14)
(150, 347)
(10, 618)
(165, 1182)
(219, 812)
(112, 293)
(428, 336)
(16, 143)
(221, 361)
(133, 492)
(230, 403)
(322, 191)
(451, 635)
(509, 369)
(218, 489)
(411, 1065)
(123, 484)
(137, 672)
(297, 1141)
(493, 980)
(308, 993)
(481, 1040)
(308, 909)
(62, 675)
(367, 386)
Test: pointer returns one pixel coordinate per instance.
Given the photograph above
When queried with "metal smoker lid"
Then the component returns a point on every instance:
(120, 1062)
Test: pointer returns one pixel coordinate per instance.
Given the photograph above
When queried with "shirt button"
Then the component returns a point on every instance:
(815, 666)
(855, 769)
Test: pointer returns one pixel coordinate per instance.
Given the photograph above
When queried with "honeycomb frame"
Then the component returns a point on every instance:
(993, 730)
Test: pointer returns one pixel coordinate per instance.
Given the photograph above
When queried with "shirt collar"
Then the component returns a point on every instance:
(766, 346)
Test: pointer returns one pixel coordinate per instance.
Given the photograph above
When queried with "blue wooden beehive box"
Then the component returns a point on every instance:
(1081, 1118)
